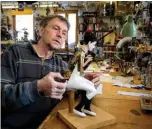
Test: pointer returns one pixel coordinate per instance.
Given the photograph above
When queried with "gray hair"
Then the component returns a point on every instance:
(44, 22)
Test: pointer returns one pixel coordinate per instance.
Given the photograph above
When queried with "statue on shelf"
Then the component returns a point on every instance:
(25, 35)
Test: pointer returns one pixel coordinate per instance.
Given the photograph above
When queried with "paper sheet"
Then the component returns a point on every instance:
(134, 94)
(126, 85)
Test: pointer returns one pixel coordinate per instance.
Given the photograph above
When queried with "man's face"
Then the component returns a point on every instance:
(54, 34)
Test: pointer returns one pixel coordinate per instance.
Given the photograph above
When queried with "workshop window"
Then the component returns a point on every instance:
(24, 27)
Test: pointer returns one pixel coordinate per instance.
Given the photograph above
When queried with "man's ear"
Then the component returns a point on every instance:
(41, 31)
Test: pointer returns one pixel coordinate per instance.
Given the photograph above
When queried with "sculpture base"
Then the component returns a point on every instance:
(89, 122)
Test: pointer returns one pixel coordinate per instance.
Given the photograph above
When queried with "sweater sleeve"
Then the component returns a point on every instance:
(15, 95)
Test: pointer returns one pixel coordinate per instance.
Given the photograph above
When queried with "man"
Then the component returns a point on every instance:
(30, 76)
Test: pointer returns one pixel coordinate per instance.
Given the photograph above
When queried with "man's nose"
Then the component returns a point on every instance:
(59, 34)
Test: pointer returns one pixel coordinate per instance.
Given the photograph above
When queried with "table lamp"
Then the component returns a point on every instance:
(129, 28)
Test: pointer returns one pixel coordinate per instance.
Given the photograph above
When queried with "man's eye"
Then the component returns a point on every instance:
(64, 34)
(55, 28)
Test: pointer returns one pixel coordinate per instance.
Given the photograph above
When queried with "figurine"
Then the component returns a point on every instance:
(83, 107)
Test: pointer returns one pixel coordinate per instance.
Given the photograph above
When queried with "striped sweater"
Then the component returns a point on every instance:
(21, 67)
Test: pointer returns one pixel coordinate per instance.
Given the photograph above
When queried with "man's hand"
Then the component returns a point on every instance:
(50, 87)
(94, 77)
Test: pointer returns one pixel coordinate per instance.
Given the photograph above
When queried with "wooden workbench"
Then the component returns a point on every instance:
(126, 109)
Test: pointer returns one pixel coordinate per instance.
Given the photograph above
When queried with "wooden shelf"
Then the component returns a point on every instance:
(7, 42)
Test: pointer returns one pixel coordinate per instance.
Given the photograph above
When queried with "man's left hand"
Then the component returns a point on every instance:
(94, 77)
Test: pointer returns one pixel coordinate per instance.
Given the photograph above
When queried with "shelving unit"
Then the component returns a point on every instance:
(94, 22)
(89, 21)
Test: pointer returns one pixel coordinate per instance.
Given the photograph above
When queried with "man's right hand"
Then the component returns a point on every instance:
(50, 87)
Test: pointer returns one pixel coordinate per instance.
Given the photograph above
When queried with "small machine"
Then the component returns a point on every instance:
(146, 102)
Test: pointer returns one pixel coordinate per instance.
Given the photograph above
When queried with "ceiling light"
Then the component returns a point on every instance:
(54, 5)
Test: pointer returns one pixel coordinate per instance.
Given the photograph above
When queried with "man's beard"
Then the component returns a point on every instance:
(52, 47)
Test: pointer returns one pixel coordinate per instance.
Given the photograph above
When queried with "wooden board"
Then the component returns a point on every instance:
(102, 118)
(120, 106)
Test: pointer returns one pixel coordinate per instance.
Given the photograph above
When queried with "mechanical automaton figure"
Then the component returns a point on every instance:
(82, 59)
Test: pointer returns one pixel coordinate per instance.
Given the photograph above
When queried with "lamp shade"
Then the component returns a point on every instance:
(129, 28)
